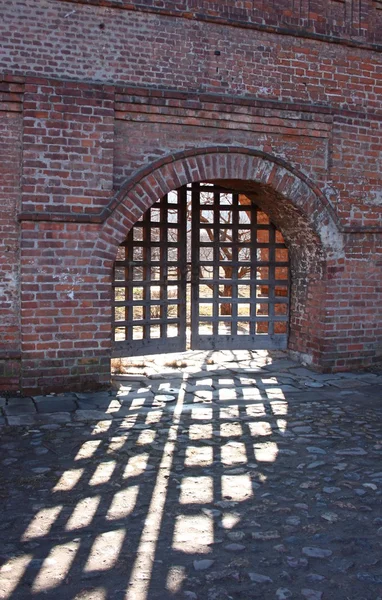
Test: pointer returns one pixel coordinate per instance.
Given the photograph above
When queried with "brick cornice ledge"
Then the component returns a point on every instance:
(291, 30)
(59, 217)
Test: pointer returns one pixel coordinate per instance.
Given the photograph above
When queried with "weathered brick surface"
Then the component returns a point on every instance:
(65, 315)
(10, 154)
(67, 147)
(104, 105)
(353, 21)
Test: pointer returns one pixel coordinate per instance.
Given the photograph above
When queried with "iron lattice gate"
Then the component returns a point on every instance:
(150, 276)
(240, 274)
(227, 258)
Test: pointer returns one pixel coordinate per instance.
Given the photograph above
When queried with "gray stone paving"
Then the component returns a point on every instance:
(236, 476)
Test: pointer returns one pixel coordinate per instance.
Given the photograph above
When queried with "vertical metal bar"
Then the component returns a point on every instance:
(195, 263)
(271, 288)
(128, 256)
(216, 269)
(182, 264)
(113, 320)
(163, 265)
(254, 267)
(235, 265)
(146, 268)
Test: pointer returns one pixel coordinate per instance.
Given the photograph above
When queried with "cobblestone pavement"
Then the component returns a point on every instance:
(219, 476)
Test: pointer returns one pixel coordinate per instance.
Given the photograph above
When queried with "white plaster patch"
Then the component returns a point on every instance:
(331, 194)
(265, 91)
(332, 240)
(305, 359)
(375, 198)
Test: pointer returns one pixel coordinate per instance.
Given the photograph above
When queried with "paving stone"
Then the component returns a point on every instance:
(94, 397)
(314, 577)
(19, 409)
(315, 450)
(50, 419)
(311, 594)
(266, 535)
(314, 384)
(369, 578)
(315, 552)
(41, 470)
(331, 517)
(19, 401)
(21, 420)
(203, 565)
(302, 429)
(351, 384)
(99, 405)
(234, 547)
(302, 372)
(315, 464)
(351, 452)
(258, 578)
(56, 405)
(91, 415)
(8, 461)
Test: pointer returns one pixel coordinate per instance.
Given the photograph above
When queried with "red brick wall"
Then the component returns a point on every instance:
(353, 306)
(99, 94)
(10, 176)
(65, 318)
(67, 146)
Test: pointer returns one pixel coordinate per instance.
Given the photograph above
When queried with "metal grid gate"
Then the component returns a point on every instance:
(240, 274)
(150, 281)
(238, 283)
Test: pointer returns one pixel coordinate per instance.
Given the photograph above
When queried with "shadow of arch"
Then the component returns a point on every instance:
(294, 203)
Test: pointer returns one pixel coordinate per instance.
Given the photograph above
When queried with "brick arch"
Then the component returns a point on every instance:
(288, 185)
(295, 205)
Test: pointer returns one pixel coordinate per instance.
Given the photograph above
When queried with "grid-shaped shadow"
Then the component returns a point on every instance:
(134, 506)
(139, 498)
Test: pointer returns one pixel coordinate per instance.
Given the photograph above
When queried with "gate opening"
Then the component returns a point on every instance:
(204, 268)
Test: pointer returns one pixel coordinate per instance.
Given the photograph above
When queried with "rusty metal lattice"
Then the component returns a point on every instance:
(240, 274)
(150, 281)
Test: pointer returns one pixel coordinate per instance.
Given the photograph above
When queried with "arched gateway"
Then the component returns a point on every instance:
(250, 258)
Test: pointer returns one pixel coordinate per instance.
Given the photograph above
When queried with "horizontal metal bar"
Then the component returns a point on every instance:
(241, 342)
(252, 301)
(141, 322)
(149, 346)
(147, 303)
(151, 283)
(242, 319)
(259, 264)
